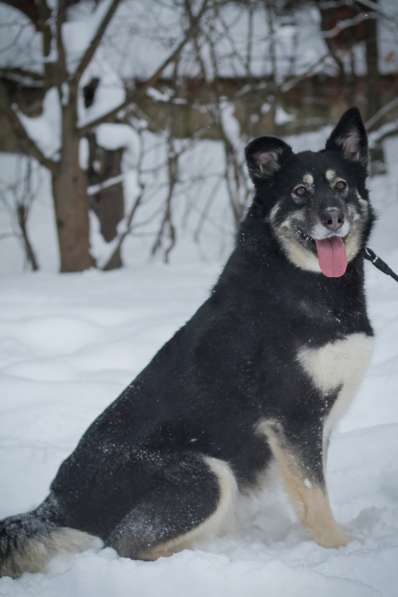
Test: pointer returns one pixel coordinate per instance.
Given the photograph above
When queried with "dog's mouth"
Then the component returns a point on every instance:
(332, 256)
(331, 253)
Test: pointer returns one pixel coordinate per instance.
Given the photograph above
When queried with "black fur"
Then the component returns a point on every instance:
(137, 478)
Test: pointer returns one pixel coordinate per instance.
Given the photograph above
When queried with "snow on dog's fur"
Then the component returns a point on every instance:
(259, 375)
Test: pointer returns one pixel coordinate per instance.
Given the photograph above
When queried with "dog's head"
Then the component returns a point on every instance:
(316, 202)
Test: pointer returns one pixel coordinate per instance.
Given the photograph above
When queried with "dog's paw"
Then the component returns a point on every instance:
(334, 538)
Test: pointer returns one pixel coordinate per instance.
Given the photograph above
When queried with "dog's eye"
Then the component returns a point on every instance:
(300, 190)
(340, 185)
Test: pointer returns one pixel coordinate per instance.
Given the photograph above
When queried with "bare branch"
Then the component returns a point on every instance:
(379, 115)
(96, 40)
(152, 80)
(17, 196)
(375, 6)
(167, 224)
(59, 21)
(17, 73)
(22, 217)
(346, 24)
(293, 81)
(31, 10)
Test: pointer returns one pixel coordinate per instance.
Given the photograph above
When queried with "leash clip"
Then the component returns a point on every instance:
(371, 255)
(379, 263)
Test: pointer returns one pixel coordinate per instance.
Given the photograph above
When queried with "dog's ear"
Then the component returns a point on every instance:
(265, 156)
(350, 138)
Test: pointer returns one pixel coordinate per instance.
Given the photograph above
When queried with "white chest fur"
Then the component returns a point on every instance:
(339, 364)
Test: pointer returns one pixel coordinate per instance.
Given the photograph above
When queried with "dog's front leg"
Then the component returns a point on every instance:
(299, 456)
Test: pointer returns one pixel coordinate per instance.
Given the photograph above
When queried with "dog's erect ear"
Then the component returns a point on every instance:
(349, 137)
(265, 156)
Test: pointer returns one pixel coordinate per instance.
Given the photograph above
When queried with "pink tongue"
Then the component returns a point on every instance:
(332, 257)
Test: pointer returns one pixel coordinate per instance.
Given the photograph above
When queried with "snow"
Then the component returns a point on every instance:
(70, 343)
(109, 93)
(230, 124)
(79, 30)
(207, 576)
(296, 41)
(282, 117)
(142, 34)
(45, 130)
(114, 136)
(20, 45)
(41, 217)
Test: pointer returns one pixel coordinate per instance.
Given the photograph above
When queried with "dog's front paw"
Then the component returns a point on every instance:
(333, 538)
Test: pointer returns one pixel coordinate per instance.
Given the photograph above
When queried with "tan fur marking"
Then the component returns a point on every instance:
(274, 212)
(310, 501)
(330, 175)
(353, 242)
(295, 252)
(305, 259)
(211, 526)
(34, 555)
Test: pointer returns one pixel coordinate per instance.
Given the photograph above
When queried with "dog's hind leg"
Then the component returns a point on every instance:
(300, 461)
(188, 503)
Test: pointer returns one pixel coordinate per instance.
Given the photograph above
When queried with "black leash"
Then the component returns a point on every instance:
(380, 264)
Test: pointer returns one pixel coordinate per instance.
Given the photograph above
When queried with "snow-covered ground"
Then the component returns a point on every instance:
(70, 343)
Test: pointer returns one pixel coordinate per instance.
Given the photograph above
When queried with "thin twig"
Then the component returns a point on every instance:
(152, 80)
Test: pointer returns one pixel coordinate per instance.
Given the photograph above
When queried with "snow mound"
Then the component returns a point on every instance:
(68, 346)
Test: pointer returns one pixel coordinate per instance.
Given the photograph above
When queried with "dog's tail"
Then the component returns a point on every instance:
(28, 541)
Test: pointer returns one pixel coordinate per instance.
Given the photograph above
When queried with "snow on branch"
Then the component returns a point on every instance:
(152, 80)
(26, 140)
(96, 40)
(346, 24)
(22, 75)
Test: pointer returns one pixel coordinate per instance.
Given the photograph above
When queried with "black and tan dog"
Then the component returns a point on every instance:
(261, 373)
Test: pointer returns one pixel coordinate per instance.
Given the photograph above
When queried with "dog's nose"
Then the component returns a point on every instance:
(332, 218)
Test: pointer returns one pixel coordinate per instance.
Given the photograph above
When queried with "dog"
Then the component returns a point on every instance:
(259, 375)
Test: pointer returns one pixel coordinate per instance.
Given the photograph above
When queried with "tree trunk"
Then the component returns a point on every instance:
(69, 186)
(372, 63)
(108, 202)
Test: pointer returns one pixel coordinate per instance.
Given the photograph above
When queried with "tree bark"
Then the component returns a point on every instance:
(69, 184)
(108, 201)
(372, 64)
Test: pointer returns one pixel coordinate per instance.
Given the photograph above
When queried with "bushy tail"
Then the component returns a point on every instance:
(28, 541)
